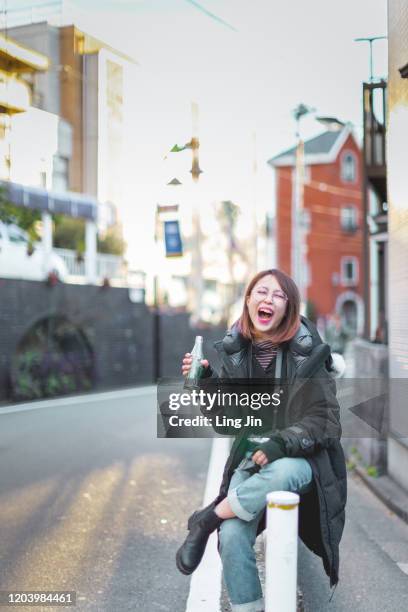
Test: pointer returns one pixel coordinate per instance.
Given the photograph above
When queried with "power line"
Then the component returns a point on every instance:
(324, 187)
(211, 15)
(26, 7)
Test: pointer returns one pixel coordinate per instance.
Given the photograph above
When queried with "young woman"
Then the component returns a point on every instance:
(298, 449)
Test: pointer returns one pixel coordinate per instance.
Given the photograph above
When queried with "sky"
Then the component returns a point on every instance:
(247, 64)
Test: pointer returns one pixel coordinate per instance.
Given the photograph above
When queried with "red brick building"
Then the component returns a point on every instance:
(333, 207)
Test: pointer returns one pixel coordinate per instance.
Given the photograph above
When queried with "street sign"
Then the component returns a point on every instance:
(172, 239)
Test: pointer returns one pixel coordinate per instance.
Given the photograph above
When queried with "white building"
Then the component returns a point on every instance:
(397, 161)
(36, 153)
(85, 86)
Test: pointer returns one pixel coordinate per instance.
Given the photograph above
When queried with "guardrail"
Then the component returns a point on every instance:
(107, 266)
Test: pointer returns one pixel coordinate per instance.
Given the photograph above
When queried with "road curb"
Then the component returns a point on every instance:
(84, 398)
(205, 585)
(387, 490)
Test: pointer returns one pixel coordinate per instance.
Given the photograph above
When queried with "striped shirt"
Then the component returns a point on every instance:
(264, 352)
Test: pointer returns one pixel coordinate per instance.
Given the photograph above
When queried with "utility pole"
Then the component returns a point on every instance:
(370, 40)
(196, 279)
(299, 246)
(297, 230)
(255, 205)
(197, 284)
(156, 312)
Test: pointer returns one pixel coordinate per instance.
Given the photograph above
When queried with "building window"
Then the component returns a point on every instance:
(349, 271)
(349, 168)
(60, 174)
(348, 218)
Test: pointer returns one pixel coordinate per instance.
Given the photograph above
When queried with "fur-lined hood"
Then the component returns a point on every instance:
(301, 346)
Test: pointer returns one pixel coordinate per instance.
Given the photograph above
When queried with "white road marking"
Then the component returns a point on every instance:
(59, 402)
(205, 585)
(403, 567)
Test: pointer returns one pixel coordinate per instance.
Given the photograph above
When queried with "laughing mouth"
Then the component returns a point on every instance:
(265, 314)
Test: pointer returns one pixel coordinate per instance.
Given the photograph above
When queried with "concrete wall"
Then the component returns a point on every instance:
(91, 123)
(43, 38)
(120, 333)
(397, 159)
(371, 362)
(40, 129)
(71, 99)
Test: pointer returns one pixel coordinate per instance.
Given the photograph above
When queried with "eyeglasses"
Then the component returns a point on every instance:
(278, 297)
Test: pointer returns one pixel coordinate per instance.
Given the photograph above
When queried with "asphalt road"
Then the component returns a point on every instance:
(92, 501)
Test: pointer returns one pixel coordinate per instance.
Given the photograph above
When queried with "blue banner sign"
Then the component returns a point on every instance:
(172, 239)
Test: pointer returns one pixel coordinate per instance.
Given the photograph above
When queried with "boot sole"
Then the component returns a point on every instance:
(179, 563)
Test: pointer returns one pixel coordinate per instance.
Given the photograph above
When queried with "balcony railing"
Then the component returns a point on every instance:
(374, 123)
(107, 266)
(374, 95)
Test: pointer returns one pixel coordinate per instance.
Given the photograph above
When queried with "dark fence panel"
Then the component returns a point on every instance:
(177, 338)
(120, 333)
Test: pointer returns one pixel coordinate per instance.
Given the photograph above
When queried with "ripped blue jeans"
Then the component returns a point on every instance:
(247, 498)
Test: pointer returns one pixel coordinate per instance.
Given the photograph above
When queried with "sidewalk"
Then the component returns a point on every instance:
(373, 561)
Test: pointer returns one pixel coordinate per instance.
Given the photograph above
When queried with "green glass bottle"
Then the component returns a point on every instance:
(196, 370)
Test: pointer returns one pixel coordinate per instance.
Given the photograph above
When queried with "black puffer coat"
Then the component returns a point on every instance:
(312, 430)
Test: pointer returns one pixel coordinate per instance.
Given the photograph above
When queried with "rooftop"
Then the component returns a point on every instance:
(15, 57)
(322, 145)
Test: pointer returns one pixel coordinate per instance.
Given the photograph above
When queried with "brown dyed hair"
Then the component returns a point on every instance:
(290, 322)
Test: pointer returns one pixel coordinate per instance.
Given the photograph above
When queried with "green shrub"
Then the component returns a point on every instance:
(372, 471)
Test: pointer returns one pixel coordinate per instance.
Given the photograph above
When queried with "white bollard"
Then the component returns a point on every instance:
(281, 551)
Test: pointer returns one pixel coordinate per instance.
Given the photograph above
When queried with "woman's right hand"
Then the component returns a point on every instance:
(188, 360)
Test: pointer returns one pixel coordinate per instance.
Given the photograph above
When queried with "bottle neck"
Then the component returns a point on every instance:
(198, 347)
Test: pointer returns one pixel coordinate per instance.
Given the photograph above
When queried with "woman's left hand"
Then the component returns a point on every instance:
(260, 458)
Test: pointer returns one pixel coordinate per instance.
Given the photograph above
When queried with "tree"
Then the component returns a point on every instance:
(69, 233)
(26, 218)
(111, 241)
(228, 214)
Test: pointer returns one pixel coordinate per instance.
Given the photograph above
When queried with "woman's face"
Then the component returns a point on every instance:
(266, 305)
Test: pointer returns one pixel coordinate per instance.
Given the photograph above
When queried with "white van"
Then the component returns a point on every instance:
(15, 262)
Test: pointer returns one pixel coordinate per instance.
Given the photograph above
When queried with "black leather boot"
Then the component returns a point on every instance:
(200, 524)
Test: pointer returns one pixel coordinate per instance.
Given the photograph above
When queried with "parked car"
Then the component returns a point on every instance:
(16, 260)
